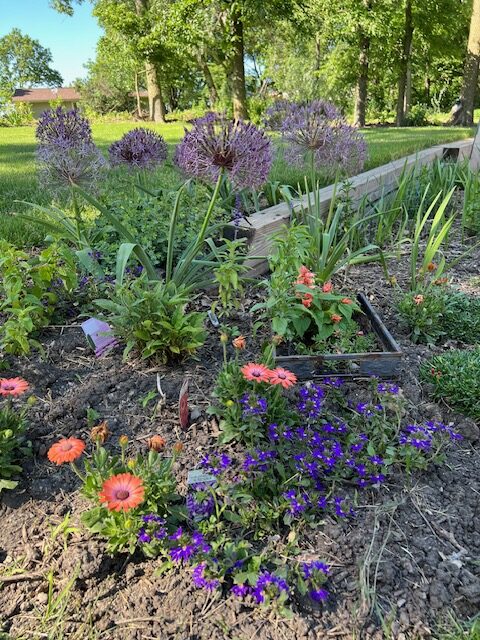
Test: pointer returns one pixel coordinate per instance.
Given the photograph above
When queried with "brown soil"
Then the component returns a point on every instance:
(409, 558)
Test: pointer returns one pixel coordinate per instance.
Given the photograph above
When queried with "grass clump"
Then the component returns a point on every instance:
(456, 380)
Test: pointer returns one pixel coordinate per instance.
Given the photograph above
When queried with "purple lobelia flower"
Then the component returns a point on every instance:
(317, 133)
(66, 153)
(200, 503)
(217, 144)
(139, 148)
(200, 581)
(269, 585)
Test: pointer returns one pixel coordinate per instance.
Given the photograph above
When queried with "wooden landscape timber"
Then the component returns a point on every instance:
(260, 226)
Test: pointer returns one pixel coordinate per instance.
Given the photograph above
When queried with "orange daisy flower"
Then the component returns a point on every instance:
(336, 318)
(239, 342)
(283, 377)
(256, 372)
(12, 386)
(327, 287)
(66, 450)
(122, 492)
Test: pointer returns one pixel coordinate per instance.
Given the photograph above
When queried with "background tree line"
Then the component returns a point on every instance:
(373, 58)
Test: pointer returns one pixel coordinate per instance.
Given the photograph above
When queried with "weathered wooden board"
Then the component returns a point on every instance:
(260, 226)
(384, 364)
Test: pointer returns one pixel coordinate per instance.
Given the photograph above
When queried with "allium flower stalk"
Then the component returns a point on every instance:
(216, 145)
(139, 148)
(317, 134)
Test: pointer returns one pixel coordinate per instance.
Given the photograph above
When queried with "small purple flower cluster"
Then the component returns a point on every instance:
(269, 586)
(318, 132)
(200, 502)
(310, 401)
(216, 463)
(260, 462)
(139, 148)
(422, 436)
(368, 409)
(314, 573)
(186, 547)
(200, 581)
(216, 144)
(388, 388)
(153, 529)
(253, 405)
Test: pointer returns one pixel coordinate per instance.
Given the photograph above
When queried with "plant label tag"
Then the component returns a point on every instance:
(197, 476)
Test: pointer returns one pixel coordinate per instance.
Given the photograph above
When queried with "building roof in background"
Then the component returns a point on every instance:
(46, 94)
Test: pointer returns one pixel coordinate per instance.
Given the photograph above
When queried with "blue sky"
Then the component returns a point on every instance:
(71, 40)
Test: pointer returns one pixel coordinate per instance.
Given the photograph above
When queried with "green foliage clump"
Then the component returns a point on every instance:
(12, 443)
(151, 318)
(30, 288)
(456, 379)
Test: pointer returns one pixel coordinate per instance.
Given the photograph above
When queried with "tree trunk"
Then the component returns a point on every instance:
(209, 81)
(137, 95)
(156, 105)
(239, 91)
(361, 90)
(404, 63)
(408, 89)
(470, 77)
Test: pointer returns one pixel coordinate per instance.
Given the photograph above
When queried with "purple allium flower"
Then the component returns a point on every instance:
(318, 595)
(217, 144)
(200, 581)
(70, 127)
(276, 114)
(64, 165)
(66, 152)
(318, 132)
(139, 148)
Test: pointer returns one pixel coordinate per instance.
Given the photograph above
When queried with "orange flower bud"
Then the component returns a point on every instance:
(123, 440)
(100, 433)
(156, 443)
(327, 287)
(336, 318)
(239, 342)
(177, 447)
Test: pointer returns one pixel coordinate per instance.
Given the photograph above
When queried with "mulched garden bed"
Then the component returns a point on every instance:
(409, 557)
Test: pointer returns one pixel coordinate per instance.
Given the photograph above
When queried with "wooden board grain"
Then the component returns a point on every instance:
(261, 226)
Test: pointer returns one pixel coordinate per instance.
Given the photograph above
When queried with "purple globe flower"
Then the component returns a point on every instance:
(318, 133)
(276, 114)
(217, 144)
(66, 152)
(70, 128)
(139, 148)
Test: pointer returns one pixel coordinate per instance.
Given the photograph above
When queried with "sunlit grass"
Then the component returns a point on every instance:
(18, 178)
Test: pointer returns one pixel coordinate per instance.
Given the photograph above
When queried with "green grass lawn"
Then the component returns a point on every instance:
(18, 179)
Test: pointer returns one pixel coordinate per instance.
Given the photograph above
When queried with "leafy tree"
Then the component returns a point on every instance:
(25, 63)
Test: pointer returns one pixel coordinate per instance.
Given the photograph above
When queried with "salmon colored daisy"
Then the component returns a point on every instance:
(12, 386)
(256, 372)
(283, 377)
(66, 450)
(336, 318)
(239, 342)
(122, 492)
(327, 287)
